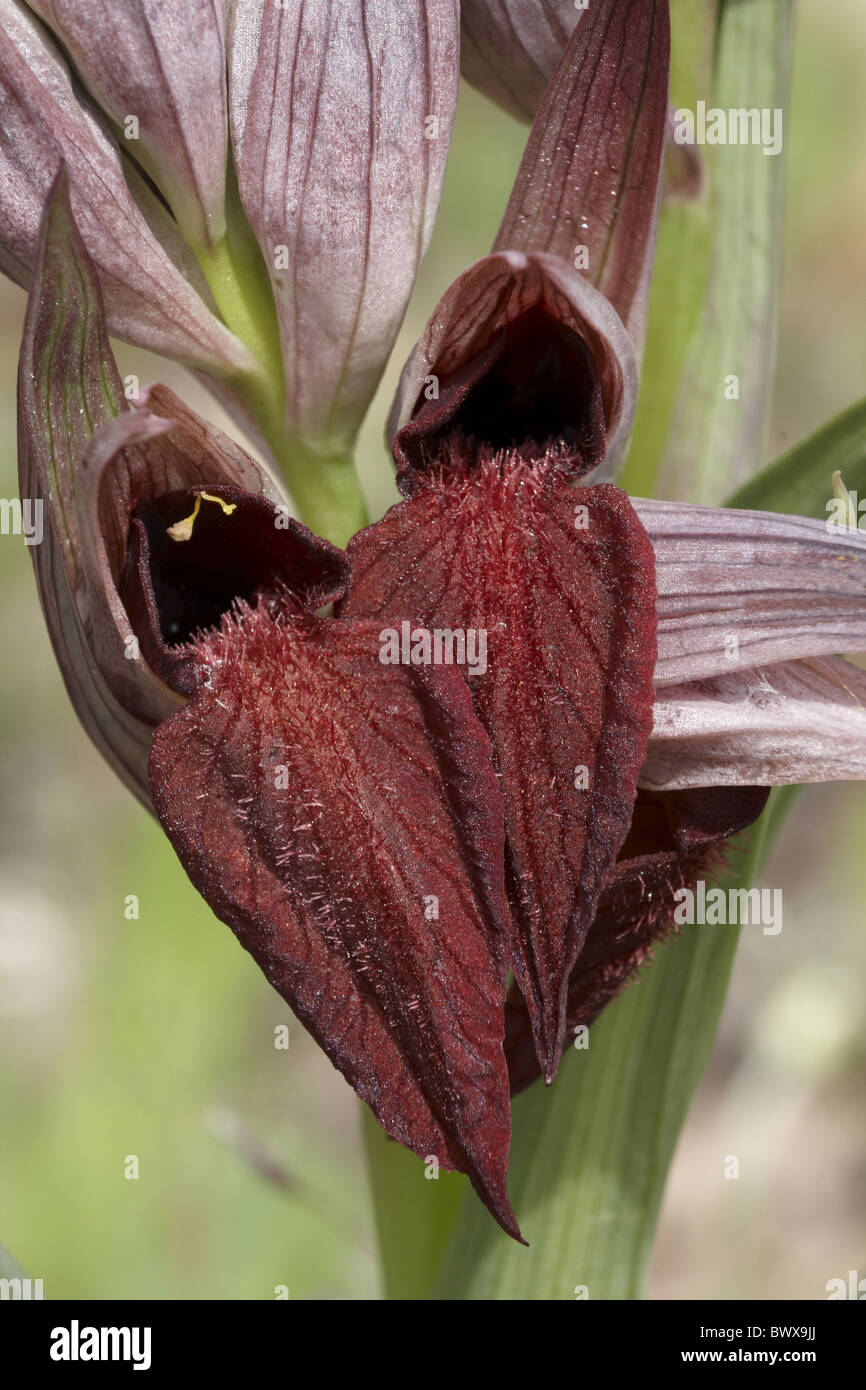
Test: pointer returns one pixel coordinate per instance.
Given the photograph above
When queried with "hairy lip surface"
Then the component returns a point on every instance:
(561, 578)
(319, 801)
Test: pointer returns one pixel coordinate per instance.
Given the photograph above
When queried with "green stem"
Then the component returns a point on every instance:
(406, 1199)
(239, 282)
(325, 488)
(682, 264)
(703, 423)
(322, 480)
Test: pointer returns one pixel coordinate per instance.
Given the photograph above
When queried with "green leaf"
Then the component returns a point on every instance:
(801, 481)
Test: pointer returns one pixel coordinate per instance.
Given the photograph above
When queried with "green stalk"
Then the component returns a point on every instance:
(715, 287)
(325, 487)
(682, 263)
(238, 281)
(323, 481)
(406, 1200)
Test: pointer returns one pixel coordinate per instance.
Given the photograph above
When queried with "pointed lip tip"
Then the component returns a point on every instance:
(511, 1228)
(501, 1210)
(502, 1213)
(549, 1035)
(549, 1059)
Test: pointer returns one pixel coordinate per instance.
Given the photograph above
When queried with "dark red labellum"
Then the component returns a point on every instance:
(343, 817)
(561, 579)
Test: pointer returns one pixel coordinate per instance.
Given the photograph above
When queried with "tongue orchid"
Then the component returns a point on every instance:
(392, 834)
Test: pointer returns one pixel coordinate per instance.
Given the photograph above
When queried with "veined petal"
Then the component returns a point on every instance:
(675, 838)
(497, 297)
(800, 721)
(343, 817)
(165, 66)
(559, 582)
(739, 589)
(341, 117)
(161, 449)
(510, 48)
(68, 385)
(589, 186)
(47, 122)
(573, 256)
(137, 578)
(87, 460)
(184, 451)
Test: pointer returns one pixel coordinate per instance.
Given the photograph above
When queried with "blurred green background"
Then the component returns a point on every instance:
(154, 1037)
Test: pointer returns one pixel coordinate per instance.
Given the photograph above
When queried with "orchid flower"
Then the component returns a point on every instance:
(389, 838)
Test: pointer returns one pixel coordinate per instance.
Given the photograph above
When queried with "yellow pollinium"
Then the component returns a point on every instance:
(182, 530)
